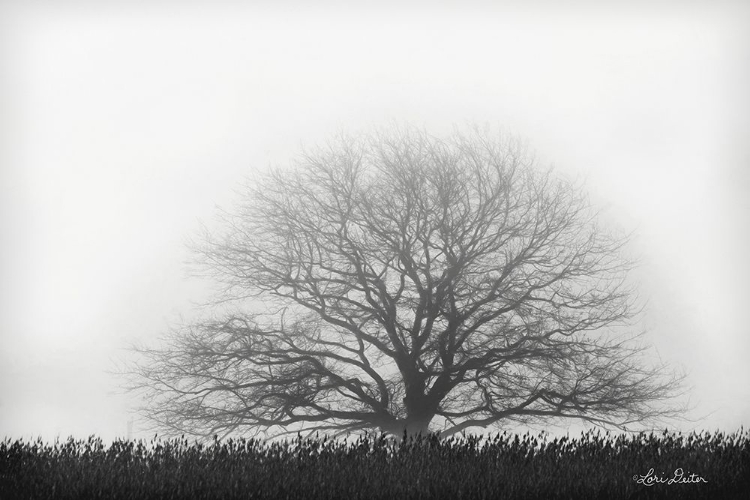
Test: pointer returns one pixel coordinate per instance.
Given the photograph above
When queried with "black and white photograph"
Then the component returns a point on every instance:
(374, 250)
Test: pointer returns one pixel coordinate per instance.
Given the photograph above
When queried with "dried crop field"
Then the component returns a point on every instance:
(504, 466)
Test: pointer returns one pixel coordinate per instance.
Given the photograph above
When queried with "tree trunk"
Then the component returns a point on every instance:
(410, 427)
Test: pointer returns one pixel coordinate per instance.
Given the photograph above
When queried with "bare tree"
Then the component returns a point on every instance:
(410, 283)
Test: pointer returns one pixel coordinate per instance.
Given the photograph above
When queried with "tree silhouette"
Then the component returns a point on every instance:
(403, 282)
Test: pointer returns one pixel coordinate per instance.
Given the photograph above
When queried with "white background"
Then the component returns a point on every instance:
(123, 127)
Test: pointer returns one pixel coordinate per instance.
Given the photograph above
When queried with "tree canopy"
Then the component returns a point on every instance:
(400, 281)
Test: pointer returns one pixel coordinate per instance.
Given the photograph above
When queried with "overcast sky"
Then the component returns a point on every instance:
(123, 127)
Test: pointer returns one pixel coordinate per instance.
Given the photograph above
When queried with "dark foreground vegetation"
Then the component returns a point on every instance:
(505, 466)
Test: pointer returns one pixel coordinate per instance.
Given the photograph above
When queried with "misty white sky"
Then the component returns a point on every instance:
(123, 127)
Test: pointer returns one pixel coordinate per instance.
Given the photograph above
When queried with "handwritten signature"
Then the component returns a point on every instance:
(679, 477)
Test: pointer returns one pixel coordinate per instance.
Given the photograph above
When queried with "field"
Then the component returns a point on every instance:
(594, 465)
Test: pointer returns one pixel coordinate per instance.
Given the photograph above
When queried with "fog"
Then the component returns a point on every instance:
(124, 128)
